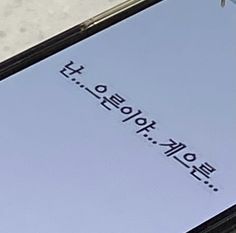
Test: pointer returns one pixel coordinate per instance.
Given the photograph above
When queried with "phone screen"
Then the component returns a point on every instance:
(131, 130)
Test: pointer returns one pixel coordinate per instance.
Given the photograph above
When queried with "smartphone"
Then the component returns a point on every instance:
(124, 124)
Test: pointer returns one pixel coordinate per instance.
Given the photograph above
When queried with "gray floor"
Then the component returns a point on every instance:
(25, 23)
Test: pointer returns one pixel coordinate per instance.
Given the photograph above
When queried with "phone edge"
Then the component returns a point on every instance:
(71, 36)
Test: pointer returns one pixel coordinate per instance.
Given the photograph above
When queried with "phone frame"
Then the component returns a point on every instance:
(224, 222)
(73, 35)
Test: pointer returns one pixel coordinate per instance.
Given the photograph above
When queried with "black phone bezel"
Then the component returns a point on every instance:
(65, 39)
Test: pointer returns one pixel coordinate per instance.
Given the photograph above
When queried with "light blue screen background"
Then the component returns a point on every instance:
(69, 165)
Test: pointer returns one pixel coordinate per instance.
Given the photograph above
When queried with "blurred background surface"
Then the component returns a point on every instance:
(25, 23)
